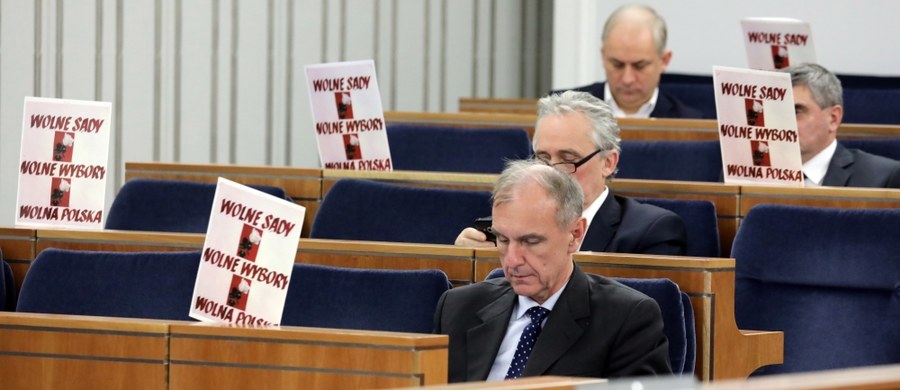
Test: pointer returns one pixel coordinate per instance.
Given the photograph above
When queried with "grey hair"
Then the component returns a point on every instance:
(823, 85)
(656, 23)
(564, 190)
(605, 129)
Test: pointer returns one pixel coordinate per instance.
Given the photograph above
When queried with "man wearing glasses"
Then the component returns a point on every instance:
(577, 134)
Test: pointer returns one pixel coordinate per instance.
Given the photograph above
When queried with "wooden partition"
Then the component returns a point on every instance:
(46, 351)
(463, 119)
(303, 185)
(222, 357)
(723, 350)
(862, 378)
(17, 245)
(658, 129)
(839, 197)
(82, 352)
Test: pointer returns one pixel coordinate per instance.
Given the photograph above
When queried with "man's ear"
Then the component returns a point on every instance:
(577, 231)
(610, 162)
(666, 57)
(835, 116)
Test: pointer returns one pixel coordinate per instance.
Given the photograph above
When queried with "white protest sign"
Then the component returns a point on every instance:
(63, 163)
(776, 43)
(348, 116)
(247, 258)
(757, 127)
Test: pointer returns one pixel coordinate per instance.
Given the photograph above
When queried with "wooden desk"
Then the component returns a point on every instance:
(457, 262)
(303, 185)
(219, 357)
(17, 245)
(46, 351)
(658, 129)
(82, 352)
(723, 350)
(464, 119)
(529, 383)
(838, 197)
(861, 378)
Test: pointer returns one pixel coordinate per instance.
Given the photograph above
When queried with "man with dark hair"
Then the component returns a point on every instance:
(547, 317)
(819, 105)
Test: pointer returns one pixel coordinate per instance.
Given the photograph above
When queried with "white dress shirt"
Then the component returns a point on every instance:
(517, 324)
(642, 112)
(816, 168)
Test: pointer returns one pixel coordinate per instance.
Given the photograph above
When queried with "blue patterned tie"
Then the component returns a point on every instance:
(526, 342)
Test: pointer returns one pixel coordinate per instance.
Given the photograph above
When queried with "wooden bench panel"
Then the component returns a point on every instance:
(76, 352)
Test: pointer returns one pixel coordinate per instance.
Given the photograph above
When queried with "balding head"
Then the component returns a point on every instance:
(636, 17)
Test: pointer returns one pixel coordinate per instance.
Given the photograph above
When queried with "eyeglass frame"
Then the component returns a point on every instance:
(575, 164)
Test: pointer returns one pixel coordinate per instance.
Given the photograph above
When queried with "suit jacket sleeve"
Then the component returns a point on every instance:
(665, 235)
(641, 349)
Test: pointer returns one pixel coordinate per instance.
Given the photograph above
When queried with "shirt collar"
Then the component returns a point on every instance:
(592, 210)
(642, 112)
(816, 168)
(526, 303)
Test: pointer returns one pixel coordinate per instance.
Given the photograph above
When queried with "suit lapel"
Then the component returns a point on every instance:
(603, 226)
(484, 340)
(838, 173)
(562, 328)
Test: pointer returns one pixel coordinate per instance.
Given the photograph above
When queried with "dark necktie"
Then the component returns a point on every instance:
(526, 341)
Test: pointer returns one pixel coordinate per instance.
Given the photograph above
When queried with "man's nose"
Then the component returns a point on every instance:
(629, 74)
(514, 254)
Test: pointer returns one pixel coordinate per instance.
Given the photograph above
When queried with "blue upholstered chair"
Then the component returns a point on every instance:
(373, 211)
(701, 220)
(455, 149)
(371, 299)
(678, 317)
(828, 278)
(671, 160)
(167, 205)
(157, 285)
(888, 147)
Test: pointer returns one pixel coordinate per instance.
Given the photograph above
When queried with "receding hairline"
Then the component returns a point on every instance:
(638, 14)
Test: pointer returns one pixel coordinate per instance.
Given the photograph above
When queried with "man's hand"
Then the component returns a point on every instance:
(472, 237)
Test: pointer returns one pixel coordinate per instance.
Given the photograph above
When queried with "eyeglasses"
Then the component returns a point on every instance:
(569, 166)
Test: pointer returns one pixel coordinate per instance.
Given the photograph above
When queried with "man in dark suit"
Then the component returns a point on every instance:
(819, 105)
(577, 134)
(634, 57)
(595, 327)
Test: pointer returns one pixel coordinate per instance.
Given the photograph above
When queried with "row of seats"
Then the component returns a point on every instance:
(867, 99)
(455, 149)
(702, 160)
(160, 285)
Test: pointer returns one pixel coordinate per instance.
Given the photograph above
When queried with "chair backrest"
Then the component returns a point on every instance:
(455, 149)
(702, 223)
(167, 205)
(888, 147)
(368, 210)
(371, 299)
(671, 160)
(828, 278)
(678, 317)
(156, 285)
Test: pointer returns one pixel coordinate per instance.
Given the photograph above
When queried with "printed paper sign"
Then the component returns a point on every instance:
(776, 43)
(63, 163)
(348, 116)
(757, 127)
(247, 258)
